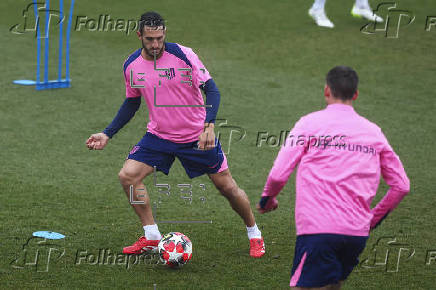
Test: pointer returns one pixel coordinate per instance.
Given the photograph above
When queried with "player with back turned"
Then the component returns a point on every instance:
(340, 157)
(169, 77)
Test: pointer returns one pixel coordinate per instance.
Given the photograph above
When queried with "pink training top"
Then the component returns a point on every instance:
(340, 156)
(171, 90)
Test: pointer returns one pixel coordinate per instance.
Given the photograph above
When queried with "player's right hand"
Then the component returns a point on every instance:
(97, 141)
(266, 204)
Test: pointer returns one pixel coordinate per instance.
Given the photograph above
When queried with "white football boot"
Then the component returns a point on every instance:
(365, 13)
(320, 18)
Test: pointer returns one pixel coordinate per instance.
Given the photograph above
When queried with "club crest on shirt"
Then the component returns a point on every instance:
(170, 73)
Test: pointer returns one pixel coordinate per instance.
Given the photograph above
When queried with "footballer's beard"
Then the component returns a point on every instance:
(151, 52)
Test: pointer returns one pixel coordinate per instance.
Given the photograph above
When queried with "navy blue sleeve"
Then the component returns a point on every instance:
(212, 98)
(380, 221)
(125, 113)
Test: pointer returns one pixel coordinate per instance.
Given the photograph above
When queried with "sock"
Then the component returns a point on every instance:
(253, 232)
(318, 5)
(152, 232)
(362, 4)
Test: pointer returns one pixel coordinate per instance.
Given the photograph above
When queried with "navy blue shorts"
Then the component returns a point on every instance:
(323, 259)
(155, 151)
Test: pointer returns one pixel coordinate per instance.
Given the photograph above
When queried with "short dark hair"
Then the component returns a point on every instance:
(342, 81)
(151, 19)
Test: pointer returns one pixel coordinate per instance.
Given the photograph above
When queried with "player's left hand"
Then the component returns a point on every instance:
(206, 141)
(266, 204)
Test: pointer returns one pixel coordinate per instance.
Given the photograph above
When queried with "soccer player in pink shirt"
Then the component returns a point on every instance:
(170, 78)
(340, 156)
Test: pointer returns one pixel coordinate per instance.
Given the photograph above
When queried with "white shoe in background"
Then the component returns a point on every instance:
(366, 13)
(320, 18)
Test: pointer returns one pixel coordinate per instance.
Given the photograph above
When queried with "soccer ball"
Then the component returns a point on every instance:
(175, 249)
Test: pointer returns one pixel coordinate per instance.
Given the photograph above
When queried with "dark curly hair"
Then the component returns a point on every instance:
(150, 19)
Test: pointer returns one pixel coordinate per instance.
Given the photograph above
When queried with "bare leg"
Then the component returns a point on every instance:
(132, 174)
(237, 198)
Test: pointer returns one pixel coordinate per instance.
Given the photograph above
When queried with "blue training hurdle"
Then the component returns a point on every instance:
(59, 82)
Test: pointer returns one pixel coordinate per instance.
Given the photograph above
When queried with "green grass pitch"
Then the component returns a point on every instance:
(269, 60)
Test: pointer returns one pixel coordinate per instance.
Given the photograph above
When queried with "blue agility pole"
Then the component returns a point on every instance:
(38, 41)
(38, 52)
(67, 49)
(59, 82)
(61, 9)
(46, 44)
